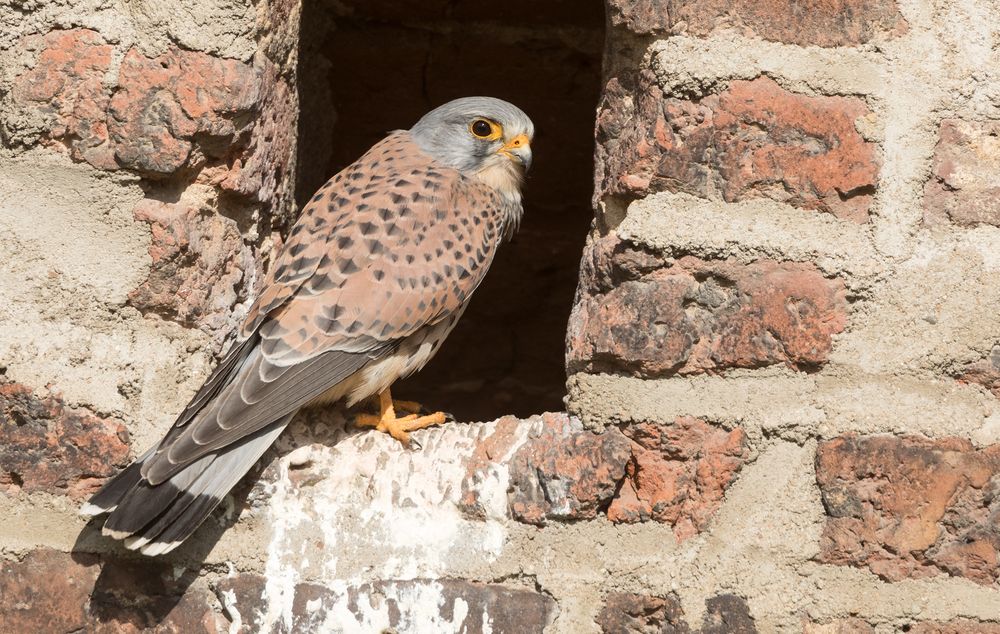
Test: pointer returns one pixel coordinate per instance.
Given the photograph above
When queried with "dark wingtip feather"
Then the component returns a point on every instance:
(145, 502)
(107, 499)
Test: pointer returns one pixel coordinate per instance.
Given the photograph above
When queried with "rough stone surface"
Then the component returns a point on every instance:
(910, 507)
(417, 605)
(672, 473)
(50, 591)
(837, 23)
(985, 372)
(53, 448)
(66, 87)
(560, 474)
(752, 139)
(199, 262)
(639, 315)
(629, 613)
(678, 473)
(178, 109)
(965, 181)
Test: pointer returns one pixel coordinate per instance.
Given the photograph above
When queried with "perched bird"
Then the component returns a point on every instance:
(374, 275)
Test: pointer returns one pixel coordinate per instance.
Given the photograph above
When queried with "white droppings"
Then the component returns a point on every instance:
(487, 623)
(401, 508)
(229, 607)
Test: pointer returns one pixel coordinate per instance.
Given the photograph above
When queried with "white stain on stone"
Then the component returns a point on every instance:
(420, 610)
(232, 613)
(401, 509)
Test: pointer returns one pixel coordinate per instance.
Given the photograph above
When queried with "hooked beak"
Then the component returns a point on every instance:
(518, 149)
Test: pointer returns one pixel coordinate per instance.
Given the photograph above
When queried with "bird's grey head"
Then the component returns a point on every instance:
(479, 136)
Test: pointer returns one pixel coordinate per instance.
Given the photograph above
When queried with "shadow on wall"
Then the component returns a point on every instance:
(367, 67)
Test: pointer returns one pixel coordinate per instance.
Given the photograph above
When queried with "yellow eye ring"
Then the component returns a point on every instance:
(485, 129)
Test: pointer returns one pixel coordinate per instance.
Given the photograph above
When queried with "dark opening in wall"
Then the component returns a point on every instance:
(369, 66)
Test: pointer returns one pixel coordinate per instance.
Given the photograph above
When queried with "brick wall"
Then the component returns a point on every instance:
(802, 199)
(783, 357)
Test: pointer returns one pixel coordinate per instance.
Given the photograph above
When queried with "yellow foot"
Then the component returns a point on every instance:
(398, 428)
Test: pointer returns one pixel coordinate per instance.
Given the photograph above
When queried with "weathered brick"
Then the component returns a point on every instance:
(965, 174)
(180, 109)
(387, 605)
(678, 474)
(562, 474)
(727, 614)
(753, 139)
(51, 591)
(46, 592)
(628, 613)
(263, 171)
(985, 372)
(176, 109)
(66, 87)
(836, 23)
(673, 473)
(198, 265)
(638, 315)
(911, 507)
(49, 447)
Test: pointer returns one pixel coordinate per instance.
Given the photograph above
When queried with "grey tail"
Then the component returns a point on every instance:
(155, 519)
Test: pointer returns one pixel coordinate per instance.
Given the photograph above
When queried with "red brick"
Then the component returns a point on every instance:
(563, 474)
(66, 87)
(490, 607)
(638, 315)
(678, 474)
(51, 591)
(810, 23)
(46, 592)
(673, 473)
(985, 372)
(198, 265)
(964, 187)
(179, 110)
(52, 448)
(628, 613)
(164, 104)
(487, 452)
(263, 171)
(910, 507)
(753, 139)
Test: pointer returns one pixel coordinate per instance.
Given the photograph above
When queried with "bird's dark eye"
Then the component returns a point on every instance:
(484, 129)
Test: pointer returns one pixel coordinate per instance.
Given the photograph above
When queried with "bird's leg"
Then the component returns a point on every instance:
(410, 407)
(398, 428)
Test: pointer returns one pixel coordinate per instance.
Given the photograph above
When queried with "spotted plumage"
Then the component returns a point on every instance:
(374, 275)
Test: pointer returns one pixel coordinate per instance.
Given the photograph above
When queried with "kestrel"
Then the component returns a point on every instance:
(374, 275)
